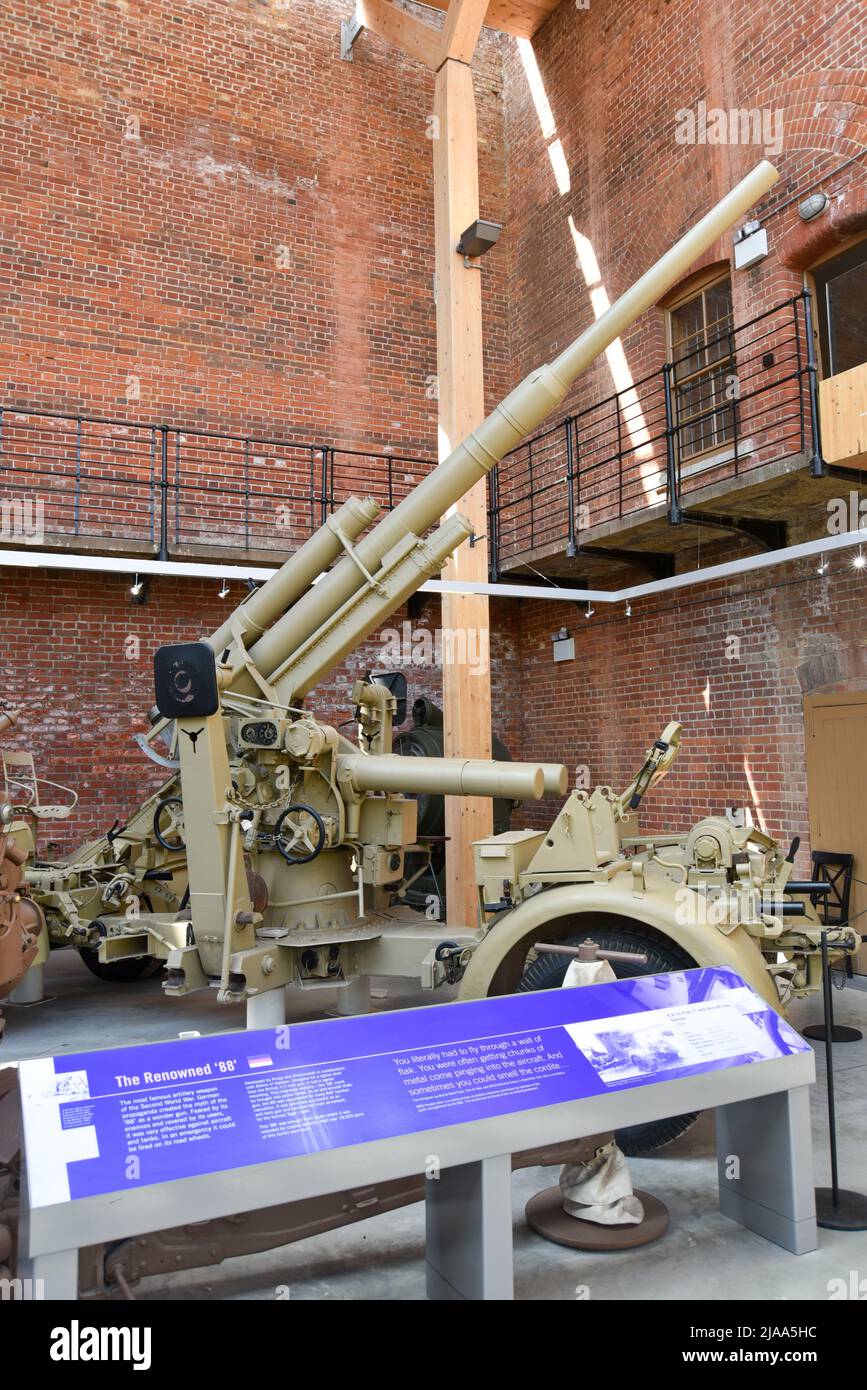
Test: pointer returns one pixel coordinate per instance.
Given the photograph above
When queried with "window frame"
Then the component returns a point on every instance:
(698, 286)
(832, 254)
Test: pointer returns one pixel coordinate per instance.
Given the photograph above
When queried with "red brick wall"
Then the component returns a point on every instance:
(732, 662)
(615, 76)
(205, 205)
(77, 664)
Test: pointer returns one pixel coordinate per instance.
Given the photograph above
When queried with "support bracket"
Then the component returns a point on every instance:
(768, 534)
(658, 564)
(349, 32)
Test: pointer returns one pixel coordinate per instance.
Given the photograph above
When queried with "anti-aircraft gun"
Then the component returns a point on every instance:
(294, 839)
(276, 849)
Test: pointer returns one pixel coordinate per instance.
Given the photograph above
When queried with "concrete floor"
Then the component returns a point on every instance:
(703, 1257)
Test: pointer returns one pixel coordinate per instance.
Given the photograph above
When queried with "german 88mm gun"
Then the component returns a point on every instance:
(283, 843)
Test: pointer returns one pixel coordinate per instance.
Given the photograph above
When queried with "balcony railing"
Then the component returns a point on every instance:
(68, 479)
(750, 402)
(89, 483)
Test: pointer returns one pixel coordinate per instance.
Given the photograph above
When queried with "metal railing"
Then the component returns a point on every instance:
(85, 482)
(76, 479)
(689, 425)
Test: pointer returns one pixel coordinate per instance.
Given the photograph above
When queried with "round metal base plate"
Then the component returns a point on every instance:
(843, 1034)
(850, 1213)
(545, 1214)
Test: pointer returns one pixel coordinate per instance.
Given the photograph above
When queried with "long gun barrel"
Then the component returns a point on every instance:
(522, 411)
(368, 772)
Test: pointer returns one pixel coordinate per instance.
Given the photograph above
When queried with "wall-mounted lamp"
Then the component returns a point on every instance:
(139, 589)
(751, 245)
(813, 206)
(563, 645)
(478, 239)
(224, 590)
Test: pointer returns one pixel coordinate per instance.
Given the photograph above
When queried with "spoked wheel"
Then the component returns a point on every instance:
(122, 972)
(547, 971)
(300, 834)
(169, 823)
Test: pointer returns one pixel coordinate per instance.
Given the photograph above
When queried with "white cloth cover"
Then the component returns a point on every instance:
(600, 1189)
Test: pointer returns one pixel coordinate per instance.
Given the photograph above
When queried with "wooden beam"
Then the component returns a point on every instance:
(461, 30)
(465, 621)
(519, 17)
(401, 29)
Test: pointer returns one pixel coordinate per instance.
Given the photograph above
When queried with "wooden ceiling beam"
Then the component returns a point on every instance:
(401, 29)
(461, 30)
(521, 18)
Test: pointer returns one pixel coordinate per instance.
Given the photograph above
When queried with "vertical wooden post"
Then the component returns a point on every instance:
(465, 621)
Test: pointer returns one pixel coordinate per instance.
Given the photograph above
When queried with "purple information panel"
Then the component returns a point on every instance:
(100, 1122)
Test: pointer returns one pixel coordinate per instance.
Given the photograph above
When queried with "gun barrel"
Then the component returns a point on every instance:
(518, 415)
(390, 772)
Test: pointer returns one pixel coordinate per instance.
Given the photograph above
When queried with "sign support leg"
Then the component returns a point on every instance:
(468, 1220)
(266, 1010)
(354, 997)
(765, 1161)
(53, 1276)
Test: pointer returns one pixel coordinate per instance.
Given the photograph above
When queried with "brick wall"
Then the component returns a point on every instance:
(602, 97)
(213, 220)
(615, 76)
(77, 665)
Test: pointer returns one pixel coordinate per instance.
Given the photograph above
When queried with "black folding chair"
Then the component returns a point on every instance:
(836, 868)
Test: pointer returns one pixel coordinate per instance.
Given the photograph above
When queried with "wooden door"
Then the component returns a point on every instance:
(836, 739)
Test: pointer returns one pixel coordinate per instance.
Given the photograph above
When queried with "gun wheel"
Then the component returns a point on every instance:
(122, 972)
(300, 834)
(547, 971)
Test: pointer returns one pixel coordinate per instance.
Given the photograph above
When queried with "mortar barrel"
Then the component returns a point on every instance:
(389, 772)
(296, 576)
(522, 411)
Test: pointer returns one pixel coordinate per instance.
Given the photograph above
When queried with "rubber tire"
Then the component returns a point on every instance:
(121, 972)
(547, 971)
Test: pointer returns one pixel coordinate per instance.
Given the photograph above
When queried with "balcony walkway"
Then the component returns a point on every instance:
(632, 480)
